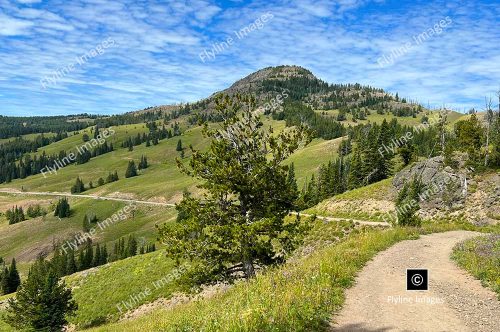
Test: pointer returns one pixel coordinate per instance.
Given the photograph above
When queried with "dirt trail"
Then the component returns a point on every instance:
(462, 304)
(46, 193)
(62, 194)
(361, 222)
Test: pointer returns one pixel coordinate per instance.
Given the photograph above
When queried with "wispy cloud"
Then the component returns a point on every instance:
(156, 56)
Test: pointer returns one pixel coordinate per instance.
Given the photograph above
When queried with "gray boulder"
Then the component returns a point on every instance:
(443, 187)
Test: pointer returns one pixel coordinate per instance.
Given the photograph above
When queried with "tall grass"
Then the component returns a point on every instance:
(481, 257)
(299, 296)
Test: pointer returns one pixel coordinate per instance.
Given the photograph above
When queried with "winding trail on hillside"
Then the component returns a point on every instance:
(461, 303)
(62, 194)
(361, 222)
(59, 194)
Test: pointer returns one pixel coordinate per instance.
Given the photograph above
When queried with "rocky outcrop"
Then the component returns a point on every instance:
(454, 192)
(443, 187)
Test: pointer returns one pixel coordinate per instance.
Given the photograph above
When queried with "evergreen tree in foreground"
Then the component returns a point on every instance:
(42, 302)
(240, 221)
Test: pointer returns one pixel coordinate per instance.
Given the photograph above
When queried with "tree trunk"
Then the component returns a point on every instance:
(248, 268)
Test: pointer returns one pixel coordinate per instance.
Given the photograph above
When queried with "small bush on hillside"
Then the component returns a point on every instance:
(34, 211)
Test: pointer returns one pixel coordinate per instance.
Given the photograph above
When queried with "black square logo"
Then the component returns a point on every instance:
(417, 279)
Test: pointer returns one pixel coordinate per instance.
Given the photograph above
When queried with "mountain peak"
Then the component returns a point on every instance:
(270, 73)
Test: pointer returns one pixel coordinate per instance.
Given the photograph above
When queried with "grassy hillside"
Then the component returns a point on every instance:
(366, 203)
(299, 296)
(374, 117)
(98, 291)
(162, 181)
(25, 240)
(308, 160)
(28, 137)
(162, 166)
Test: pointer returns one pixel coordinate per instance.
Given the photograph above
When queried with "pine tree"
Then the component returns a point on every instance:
(88, 255)
(469, 137)
(179, 146)
(62, 208)
(243, 161)
(382, 163)
(291, 181)
(13, 278)
(71, 263)
(407, 204)
(407, 152)
(355, 177)
(15, 215)
(78, 187)
(81, 261)
(59, 263)
(131, 170)
(97, 256)
(35, 211)
(42, 303)
(311, 195)
(143, 164)
(86, 224)
(100, 182)
(104, 255)
(4, 281)
(131, 246)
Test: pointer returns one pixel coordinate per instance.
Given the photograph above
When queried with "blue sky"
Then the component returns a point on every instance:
(151, 50)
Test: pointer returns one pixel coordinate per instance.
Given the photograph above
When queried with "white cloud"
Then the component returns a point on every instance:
(155, 57)
(10, 26)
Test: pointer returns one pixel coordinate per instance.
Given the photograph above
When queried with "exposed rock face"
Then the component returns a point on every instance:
(451, 192)
(444, 188)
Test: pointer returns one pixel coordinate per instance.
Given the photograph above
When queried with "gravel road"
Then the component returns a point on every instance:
(455, 300)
